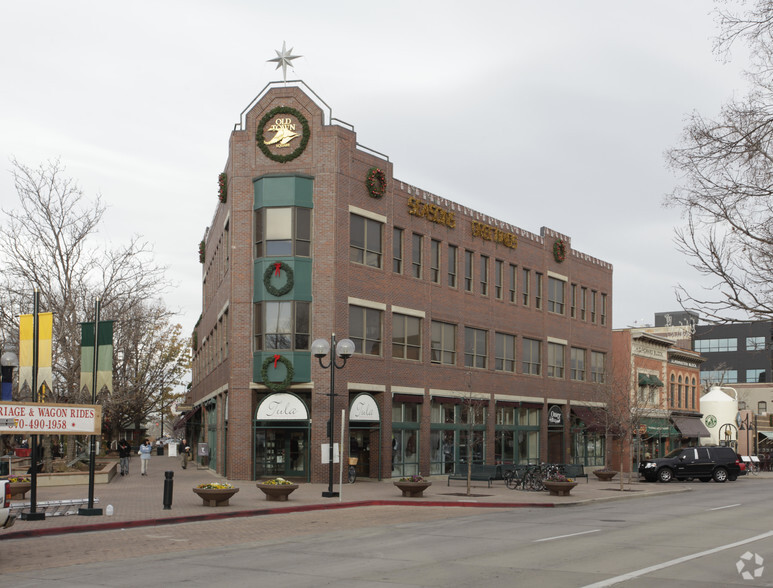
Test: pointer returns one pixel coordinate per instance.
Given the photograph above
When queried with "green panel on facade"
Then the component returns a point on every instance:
(301, 268)
(301, 361)
(284, 191)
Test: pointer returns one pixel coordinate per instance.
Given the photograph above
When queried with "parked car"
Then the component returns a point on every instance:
(704, 463)
(6, 518)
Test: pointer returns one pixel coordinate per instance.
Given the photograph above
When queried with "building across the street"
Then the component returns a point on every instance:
(736, 353)
(473, 338)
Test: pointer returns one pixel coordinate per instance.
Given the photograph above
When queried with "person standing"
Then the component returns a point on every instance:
(124, 451)
(184, 450)
(145, 451)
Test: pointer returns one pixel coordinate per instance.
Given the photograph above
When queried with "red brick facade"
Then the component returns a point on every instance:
(223, 364)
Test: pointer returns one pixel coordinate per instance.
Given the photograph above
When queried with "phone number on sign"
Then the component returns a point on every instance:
(40, 424)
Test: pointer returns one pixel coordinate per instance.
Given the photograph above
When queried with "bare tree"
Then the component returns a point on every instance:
(726, 186)
(472, 416)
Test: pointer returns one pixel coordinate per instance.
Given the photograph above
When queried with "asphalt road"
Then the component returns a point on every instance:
(709, 536)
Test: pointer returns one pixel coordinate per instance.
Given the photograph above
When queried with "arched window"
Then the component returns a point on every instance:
(673, 389)
(679, 395)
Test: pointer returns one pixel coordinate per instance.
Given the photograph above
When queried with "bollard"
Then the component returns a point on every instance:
(168, 489)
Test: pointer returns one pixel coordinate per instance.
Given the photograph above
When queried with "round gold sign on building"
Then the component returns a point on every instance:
(283, 134)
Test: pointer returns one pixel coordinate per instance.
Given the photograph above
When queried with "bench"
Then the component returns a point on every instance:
(479, 473)
(572, 470)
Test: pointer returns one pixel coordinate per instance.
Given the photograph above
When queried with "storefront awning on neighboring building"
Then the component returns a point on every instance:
(650, 380)
(652, 427)
(186, 417)
(691, 426)
(767, 436)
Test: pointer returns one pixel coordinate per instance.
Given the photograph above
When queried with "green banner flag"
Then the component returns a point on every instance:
(104, 356)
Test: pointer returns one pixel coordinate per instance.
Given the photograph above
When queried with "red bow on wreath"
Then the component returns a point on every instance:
(277, 267)
(276, 359)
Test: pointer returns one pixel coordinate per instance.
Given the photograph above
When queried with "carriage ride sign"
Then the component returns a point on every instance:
(46, 419)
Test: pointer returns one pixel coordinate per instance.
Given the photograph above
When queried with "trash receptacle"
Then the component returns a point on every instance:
(160, 450)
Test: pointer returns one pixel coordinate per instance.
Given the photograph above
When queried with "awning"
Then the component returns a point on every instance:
(652, 427)
(768, 436)
(650, 380)
(655, 382)
(184, 418)
(589, 417)
(691, 426)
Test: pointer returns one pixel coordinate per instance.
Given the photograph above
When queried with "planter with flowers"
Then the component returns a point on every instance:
(412, 486)
(277, 489)
(559, 485)
(215, 494)
(604, 474)
(18, 486)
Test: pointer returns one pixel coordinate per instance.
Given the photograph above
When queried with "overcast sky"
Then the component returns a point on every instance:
(551, 113)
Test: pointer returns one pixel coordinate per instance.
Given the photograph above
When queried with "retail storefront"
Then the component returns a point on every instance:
(588, 437)
(281, 428)
(365, 435)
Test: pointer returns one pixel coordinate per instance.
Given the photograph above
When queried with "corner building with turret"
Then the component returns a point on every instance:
(474, 339)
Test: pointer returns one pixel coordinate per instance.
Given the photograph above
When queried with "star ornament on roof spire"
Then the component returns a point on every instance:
(283, 59)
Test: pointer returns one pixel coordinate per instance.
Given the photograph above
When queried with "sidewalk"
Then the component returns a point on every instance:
(138, 500)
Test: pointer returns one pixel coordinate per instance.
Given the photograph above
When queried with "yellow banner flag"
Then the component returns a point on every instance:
(26, 335)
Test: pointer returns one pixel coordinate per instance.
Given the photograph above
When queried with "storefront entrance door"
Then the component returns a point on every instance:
(281, 452)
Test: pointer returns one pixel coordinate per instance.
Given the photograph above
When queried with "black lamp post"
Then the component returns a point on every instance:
(343, 349)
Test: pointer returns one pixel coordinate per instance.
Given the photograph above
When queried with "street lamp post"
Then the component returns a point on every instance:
(343, 349)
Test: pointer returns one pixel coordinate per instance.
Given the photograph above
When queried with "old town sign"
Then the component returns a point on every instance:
(283, 134)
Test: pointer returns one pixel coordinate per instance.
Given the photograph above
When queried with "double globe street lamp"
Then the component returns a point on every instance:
(343, 349)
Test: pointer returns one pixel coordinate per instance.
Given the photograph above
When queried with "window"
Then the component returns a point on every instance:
(755, 376)
(468, 270)
(555, 295)
(416, 256)
(598, 362)
(577, 367)
(452, 252)
(365, 241)
(513, 283)
(505, 353)
(282, 231)
(603, 309)
(762, 407)
(531, 358)
(556, 360)
(397, 250)
(484, 275)
(499, 268)
(365, 330)
(715, 345)
(443, 343)
(593, 306)
(573, 301)
(583, 302)
(434, 261)
(692, 393)
(719, 376)
(475, 348)
(281, 325)
(679, 393)
(406, 337)
(755, 343)
(673, 389)
(525, 286)
(538, 290)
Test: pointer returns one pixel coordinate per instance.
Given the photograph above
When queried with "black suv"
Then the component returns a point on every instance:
(704, 463)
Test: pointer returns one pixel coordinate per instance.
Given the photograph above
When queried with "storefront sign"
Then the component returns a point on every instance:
(555, 416)
(364, 408)
(282, 407)
(45, 419)
(431, 212)
(489, 233)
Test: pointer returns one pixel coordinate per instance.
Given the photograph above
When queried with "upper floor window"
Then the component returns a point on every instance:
(598, 367)
(513, 283)
(468, 258)
(365, 329)
(484, 275)
(755, 343)
(283, 231)
(475, 348)
(577, 366)
(556, 360)
(593, 306)
(756, 375)
(452, 264)
(443, 343)
(715, 345)
(416, 255)
(762, 407)
(397, 250)
(538, 290)
(282, 325)
(531, 357)
(406, 337)
(555, 295)
(505, 352)
(603, 309)
(434, 261)
(583, 302)
(365, 242)
(573, 301)
(499, 269)
(525, 285)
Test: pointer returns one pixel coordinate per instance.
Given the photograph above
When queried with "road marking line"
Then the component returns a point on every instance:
(728, 506)
(565, 536)
(677, 561)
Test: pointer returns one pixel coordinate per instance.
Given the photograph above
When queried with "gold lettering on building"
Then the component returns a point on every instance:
(431, 212)
(489, 233)
(285, 132)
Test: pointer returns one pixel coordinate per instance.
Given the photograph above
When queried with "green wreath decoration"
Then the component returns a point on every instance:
(376, 183)
(222, 185)
(304, 135)
(271, 270)
(559, 251)
(277, 386)
(202, 252)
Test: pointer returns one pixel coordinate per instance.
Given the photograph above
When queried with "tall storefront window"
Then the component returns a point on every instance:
(458, 426)
(406, 417)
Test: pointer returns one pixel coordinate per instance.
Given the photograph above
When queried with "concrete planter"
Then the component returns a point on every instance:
(559, 488)
(604, 475)
(278, 492)
(215, 496)
(19, 489)
(412, 489)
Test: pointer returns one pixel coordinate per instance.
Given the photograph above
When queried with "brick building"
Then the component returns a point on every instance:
(467, 330)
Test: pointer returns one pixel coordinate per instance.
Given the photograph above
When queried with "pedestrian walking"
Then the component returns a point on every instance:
(145, 450)
(184, 450)
(124, 451)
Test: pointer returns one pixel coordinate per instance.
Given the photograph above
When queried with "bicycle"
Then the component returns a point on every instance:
(352, 474)
(753, 467)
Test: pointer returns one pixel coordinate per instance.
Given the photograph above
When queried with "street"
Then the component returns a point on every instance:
(711, 536)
